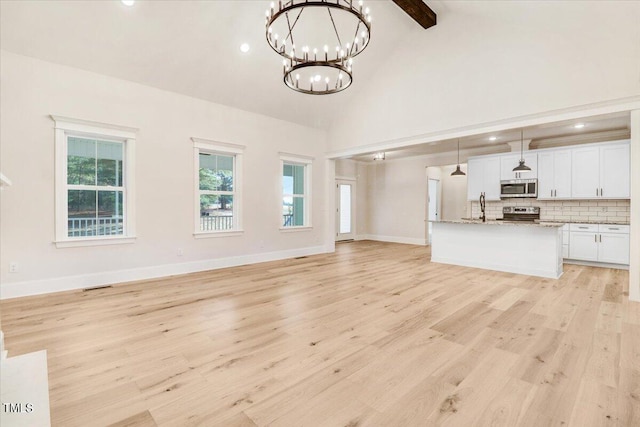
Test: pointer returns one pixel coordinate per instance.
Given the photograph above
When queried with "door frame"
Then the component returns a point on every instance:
(438, 205)
(352, 234)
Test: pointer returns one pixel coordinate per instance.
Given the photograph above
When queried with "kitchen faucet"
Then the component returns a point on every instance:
(482, 203)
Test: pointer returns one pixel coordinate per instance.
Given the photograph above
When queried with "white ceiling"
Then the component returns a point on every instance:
(192, 48)
(188, 47)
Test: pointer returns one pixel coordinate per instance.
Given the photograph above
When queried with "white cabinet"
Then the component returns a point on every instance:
(483, 176)
(613, 248)
(600, 243)
(583, 246)
(554, 175)
(600, 172)
(510, 161)
(615, 171)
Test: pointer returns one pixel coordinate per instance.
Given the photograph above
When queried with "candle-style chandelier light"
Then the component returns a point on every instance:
(318, 41)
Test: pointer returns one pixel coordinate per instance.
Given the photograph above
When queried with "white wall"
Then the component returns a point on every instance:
(31, 90)
(478, 68)
(454, 193)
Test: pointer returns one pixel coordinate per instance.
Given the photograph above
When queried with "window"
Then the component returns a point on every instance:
(218, 167)
(296, 176)
(94, 189)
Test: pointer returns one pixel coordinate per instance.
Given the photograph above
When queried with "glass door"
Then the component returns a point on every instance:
(345, 210)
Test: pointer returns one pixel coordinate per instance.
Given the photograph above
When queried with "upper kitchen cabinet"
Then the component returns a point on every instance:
(600, 172)
(510, 161)
(554, 175)
(483, 176)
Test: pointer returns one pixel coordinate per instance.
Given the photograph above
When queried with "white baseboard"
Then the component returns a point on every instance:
(596, 264)
(68, 283)
(393, 239)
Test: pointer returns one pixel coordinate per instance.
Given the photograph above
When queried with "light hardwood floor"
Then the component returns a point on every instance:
(371, 335)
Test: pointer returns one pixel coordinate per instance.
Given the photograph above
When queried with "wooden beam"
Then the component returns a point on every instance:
(419, 11)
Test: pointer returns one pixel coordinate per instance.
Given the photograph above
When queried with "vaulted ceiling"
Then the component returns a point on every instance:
(192, 47)
(189, 47)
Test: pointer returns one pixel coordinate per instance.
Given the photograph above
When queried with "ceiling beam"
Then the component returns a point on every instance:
(419, 11)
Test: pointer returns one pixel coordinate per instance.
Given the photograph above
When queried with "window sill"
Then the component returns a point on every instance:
(74, 243)
(297, 228)
(213, 234)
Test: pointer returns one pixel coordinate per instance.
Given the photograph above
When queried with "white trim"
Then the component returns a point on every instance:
(107, 240)
(296, 158)
(93, 128)
(68, 283)
(221, 233)
(296, 228)
(393, 239)
(572, 113)
(224, 147)
(306, 197)
(234, 151)
(595, 264)
(634, 218)
(65, 127)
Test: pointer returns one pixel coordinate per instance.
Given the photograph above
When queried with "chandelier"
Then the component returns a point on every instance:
(318, 41)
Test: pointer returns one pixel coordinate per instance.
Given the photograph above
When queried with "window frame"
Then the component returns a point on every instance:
(66, 127)
(307, 162)
(235, 151)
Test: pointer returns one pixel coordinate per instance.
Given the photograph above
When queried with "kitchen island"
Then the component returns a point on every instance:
(530, 248)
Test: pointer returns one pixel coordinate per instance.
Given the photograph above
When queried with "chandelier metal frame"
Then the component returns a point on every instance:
(293, 61)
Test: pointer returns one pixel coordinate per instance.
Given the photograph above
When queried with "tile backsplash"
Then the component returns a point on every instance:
(565, 211)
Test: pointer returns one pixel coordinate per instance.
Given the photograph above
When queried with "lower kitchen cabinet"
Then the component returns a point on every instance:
(599, 243)
(613, 248)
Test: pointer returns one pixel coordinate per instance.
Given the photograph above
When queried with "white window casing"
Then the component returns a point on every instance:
(66, 127)
(236, 152)
(306, 162)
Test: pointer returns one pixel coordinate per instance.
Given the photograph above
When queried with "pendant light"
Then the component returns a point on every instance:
(458, 172)
(521, 167)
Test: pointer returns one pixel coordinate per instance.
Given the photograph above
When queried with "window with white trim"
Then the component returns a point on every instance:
(218, 187)
(296, 185)
(94, 182)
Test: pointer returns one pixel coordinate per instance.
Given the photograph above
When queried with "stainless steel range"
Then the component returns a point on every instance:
(515, 213)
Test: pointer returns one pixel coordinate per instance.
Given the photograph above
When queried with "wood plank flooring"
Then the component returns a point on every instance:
(373, 335)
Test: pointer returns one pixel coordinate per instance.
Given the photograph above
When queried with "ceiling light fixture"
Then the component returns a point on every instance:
(493, 138)
(128, 2)
(521, 167)
(345, 24)
(578, 125)
(458, 172)
(244, 47)
(379, 156)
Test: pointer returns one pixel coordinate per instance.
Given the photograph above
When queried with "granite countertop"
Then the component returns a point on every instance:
(494, 222)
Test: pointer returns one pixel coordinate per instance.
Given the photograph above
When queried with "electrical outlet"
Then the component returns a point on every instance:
(180, 252)
(13, 267)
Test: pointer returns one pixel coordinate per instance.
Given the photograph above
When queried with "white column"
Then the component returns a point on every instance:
(634, 267)
(330, 205)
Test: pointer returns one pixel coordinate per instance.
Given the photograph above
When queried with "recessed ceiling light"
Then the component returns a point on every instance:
(244, 47)
(578, 125)
(493, 138)
(128, 2)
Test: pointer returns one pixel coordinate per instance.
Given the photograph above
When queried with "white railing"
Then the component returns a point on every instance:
(213, 223)
(87, 227)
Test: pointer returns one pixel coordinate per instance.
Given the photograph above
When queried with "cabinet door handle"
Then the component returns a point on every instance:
(614, 228)
(583, 228)
(601, 238)
(555, 193)
(597, 192)
(595, 238)
(601, 192)
(551, 195)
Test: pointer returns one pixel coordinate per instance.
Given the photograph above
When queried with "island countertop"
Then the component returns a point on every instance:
(548, 224)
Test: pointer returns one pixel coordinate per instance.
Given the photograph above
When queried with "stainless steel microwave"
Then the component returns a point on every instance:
(518, 188)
